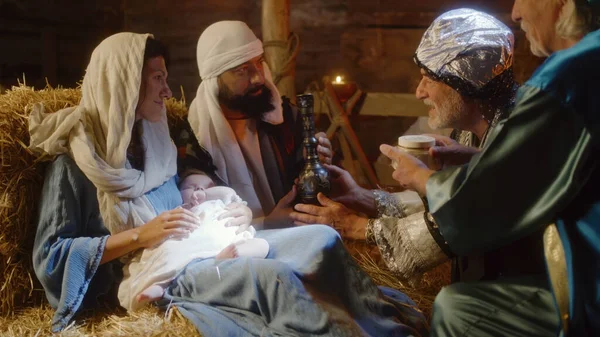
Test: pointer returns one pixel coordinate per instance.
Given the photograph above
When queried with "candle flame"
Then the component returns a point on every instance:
(338, 79)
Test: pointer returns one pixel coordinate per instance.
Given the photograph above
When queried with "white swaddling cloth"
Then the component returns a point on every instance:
(163, 263)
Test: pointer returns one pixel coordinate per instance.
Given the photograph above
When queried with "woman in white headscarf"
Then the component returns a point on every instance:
(113, 191)
(115, 173)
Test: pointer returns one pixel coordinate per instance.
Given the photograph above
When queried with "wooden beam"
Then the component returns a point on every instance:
(340, 118)
(278, 47)
(381, 104)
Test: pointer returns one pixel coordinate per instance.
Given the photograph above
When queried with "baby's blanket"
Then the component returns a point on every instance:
(161, 264)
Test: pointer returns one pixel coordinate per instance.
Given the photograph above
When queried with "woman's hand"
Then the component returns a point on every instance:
(175, 224)
(240, 214)
(338, 216)
(411, 173)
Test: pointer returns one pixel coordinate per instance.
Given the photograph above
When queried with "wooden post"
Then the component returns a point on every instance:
(350, 141)
(276, 34)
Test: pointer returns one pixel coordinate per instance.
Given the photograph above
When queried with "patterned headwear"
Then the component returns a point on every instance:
(470, 51)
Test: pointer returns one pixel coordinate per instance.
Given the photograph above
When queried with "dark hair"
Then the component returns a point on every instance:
(156, 48)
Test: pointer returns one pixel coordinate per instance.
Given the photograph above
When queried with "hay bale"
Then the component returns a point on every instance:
(176, 112)
(147, 322)
(20, 180)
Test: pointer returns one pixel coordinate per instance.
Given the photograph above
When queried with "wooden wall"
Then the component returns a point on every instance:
(52, 39)
(179, 23)
(371, 42)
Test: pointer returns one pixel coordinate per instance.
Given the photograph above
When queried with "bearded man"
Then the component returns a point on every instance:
(253, 135)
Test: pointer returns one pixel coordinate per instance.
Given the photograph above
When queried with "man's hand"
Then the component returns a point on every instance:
(448, 152)
(342, 183)
(333, 214)
(240, 214)
(411, 173)
(324, 148)
(280, 216)
(346, 191)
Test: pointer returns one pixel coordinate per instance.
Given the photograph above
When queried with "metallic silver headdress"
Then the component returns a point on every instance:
(467, 49)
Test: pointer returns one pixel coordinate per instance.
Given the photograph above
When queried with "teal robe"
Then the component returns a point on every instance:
(539, 166)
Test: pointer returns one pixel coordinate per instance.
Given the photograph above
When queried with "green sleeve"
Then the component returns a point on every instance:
(532, 166)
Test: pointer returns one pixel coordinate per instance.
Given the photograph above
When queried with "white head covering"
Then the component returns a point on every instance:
(223, 46)
(97, 133)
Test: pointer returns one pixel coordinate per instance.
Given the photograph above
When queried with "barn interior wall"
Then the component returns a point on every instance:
(369, 42)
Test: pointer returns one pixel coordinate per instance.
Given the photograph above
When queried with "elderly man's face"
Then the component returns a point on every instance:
(243, 88)
(153, 90)
(448, 109)
(538, 20)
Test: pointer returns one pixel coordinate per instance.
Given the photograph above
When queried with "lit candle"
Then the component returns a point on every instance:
(343, 90)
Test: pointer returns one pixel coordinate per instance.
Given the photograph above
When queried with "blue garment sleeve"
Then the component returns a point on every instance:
(69, 243)
(165, 197)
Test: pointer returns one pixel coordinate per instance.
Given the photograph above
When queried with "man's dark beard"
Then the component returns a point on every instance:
(251, 106)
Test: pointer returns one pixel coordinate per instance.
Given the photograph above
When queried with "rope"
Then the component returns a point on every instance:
(292, 48)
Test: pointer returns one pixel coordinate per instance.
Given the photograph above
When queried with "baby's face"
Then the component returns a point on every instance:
(192, 184)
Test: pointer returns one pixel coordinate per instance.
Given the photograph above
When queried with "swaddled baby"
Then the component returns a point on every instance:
(159, 265)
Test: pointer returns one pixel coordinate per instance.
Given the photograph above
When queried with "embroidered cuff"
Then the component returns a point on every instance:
(407, 247)
(369, 234)
(387, 204)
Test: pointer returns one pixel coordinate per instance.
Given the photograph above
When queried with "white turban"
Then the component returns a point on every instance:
(223, 46)
(97, 133)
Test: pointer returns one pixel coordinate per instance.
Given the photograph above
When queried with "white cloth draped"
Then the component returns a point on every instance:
(222, 46)
(97, 133)
(161, 264)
